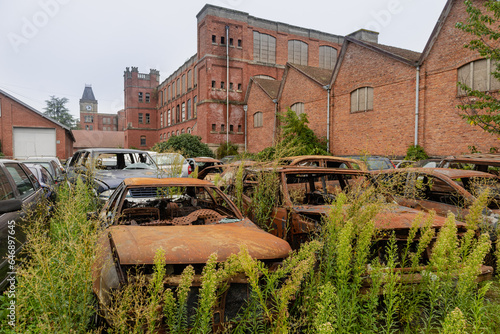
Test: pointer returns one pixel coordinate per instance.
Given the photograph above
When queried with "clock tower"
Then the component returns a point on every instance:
(88, 110)
(88, 103)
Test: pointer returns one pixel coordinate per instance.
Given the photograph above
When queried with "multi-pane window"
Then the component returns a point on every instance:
(89, 119)
(214, 127)
(297, 52)
(327, 57)
(168, 117)
(298, 108)
(161, 120)
(257, 119)
(169, 92)
(190, 79)
(177, 114)
(148, 119)
(183, 84)
(264, 48)
(194, 106)
(183, 111)
(143, 140)
(147, 97)
(140, 96)
(178, 87)
(362, 99)
(477, 75)
(141, 119)
(189, 109)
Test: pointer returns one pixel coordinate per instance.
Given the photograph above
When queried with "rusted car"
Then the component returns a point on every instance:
(190, 219)
(323, 161)
(305, 195)
(488, 163)
(443, 190)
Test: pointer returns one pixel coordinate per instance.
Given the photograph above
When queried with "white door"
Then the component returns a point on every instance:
(30, 142)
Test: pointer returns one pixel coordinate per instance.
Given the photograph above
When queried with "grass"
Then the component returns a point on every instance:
(336, 283)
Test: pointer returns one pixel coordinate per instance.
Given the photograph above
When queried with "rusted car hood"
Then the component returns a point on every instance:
(194, 243)
(394, 217)
(113, 178)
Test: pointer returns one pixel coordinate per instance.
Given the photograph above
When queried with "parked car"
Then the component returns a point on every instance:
(305, 195)
(323, 161)
(110, 166)
(173, 164)
(45, 179)
(18, 189)
(53, 165)
(189, 219)
(374, 162)
(443, 190)
(427, 163)
(228, 159)
(203, 162)
(488, 163)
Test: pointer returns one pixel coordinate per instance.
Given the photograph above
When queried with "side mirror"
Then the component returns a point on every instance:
(10, 205)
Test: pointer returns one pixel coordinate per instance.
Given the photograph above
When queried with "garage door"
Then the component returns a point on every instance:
(29, 142)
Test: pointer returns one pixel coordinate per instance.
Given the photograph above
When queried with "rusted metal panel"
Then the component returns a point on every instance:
(194, 243)
(173, 182)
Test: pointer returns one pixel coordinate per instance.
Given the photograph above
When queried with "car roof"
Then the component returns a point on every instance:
(174, 181)
(493, 159)
(112, 150)
(449, 172)
(309, 169)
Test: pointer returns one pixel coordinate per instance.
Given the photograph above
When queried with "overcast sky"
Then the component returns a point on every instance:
(55, 47)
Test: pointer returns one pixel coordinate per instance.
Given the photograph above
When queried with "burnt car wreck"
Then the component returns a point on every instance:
(304, 198)
(189, 219)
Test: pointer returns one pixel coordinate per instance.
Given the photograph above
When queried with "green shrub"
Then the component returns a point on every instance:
(416, 153)
(190, 146)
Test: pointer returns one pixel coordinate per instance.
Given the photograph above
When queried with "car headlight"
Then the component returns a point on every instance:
(105, 194)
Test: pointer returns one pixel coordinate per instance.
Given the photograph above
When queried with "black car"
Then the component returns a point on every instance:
(18, 188)
(110, 166)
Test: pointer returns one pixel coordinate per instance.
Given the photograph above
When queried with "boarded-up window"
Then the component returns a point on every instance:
(362, 99)
(195, 113)
(298, 108)
(189, 109)
(257, 119)
(297, 52)
(477, 75)
(264, 48)
(190, 79)
(169, 116)
(327, 57)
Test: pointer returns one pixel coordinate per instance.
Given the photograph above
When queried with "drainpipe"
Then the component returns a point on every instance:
(416, 104)
(227, 86)
(245, 108)
(328, 89)
(275, 116)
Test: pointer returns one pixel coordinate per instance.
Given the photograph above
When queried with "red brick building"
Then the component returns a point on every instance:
(26, 132)
(405, 90)
(206, 95)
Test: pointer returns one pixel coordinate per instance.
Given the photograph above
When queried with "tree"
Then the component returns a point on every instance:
(482, 108)
(57, 110)
(190, 146)
(296, 139)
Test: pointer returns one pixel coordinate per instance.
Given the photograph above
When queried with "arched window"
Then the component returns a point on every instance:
(161, 119)
(362, 99)
(182, 131)
(297, 52)
(264, 48)
(189, 130)
(168, 117)
(477, 75)
(257, 119)
(327, 57)
(298, 108)
(143, 140)
(177, 132)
